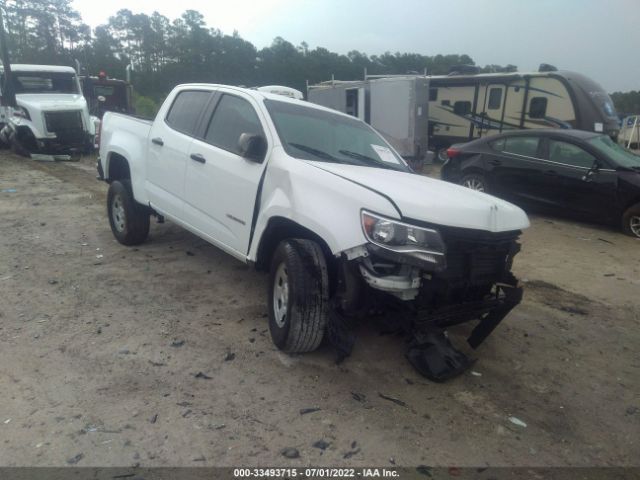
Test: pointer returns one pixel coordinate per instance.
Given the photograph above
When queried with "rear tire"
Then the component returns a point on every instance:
(631, 221)
(475, 181)
(129, 220)
(298, 296)
(442, 155)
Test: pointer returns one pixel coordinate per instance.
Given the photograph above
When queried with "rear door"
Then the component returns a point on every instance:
(168, 144)
(517, 170)
(221, 186)
(581, 188)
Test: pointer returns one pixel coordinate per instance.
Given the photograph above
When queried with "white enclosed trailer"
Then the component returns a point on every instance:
(397, 107)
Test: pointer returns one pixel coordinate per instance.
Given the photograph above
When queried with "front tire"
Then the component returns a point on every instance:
(475, 181)
(298, 296)
(128, 219)
(631, 221)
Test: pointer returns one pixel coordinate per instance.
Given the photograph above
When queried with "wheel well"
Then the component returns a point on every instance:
(632, 203)
(25, 135)
(279, 229)
(118, 168)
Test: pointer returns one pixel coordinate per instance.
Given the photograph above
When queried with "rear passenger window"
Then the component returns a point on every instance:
(186, 110)
(233, 116)
(569, 154)
(527, 146)
(495, 99)
(538, 107)
(462, 108)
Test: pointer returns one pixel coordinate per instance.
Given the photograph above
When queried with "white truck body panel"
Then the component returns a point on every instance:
(216, 200)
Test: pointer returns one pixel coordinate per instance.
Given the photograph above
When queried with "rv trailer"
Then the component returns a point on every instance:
(397, 107)
(464, 106)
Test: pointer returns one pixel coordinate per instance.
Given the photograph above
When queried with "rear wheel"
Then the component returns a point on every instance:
(128, 219)
(442, 155)
(298, 296)
(474, 181)
(631, 221)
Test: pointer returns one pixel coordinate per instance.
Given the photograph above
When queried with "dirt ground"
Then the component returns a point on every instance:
(160, 355)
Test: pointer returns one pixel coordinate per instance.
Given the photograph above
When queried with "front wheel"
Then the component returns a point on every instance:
(474, 181)
(128, 219)
(298, 296)
(631, 221)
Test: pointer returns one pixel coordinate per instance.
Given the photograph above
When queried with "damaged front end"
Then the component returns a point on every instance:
(426, 278)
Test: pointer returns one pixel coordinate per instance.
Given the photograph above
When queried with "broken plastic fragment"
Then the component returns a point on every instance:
(518, 422)
(433, 355)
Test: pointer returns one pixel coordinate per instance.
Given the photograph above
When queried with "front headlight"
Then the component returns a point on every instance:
(424, 244)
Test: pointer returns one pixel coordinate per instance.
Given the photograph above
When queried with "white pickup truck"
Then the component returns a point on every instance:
(324, 204)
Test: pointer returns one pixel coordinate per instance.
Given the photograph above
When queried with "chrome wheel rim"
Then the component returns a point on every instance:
(634, 225)
(280, 295)
(474, 184)
(117, 213)
(442, 155)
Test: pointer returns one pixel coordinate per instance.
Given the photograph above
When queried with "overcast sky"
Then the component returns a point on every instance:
(600, 38)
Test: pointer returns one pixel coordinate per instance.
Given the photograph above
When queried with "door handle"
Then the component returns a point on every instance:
(198, 158)
(157, 141)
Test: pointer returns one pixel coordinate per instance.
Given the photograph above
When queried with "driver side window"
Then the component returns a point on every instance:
(232, 117)
(570, 154)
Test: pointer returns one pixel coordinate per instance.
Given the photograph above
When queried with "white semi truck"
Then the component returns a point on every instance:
(51, 114)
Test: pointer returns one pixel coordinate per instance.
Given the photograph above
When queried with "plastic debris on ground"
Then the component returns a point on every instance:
(42, 157)
(518, 422)
(433, 355)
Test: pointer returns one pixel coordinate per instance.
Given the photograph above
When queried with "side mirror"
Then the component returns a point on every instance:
(252, 147)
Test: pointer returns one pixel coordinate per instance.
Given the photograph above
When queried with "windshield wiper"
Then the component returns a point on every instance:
(315, 151)
(369, 160)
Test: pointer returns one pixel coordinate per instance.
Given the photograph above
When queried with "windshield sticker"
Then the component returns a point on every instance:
(598, 127)
(385, 154)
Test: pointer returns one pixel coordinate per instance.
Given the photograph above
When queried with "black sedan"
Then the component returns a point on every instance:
(571, 171)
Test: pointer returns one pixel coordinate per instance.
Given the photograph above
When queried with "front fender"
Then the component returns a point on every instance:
(317, 200)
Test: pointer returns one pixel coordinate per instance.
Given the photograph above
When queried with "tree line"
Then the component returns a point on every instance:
(165, 52)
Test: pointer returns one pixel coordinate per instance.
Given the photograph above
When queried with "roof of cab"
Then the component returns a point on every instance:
(258, 95)
(20, 67)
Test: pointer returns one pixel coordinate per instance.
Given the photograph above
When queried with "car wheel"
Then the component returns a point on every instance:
(631, 221)
(442, 155)
(474, 181)
(298, 296)
(129, 220)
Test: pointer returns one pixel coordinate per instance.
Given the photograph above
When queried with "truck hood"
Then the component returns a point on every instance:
(434, 201)
(47, 102)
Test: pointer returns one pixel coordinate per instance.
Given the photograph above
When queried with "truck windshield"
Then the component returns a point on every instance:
(44, 82)
(615, 152)
(314, 134)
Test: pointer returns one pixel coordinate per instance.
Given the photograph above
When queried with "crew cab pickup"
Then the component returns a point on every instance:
(322, 203)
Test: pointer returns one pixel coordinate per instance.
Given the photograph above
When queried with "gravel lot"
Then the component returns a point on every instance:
(160, 355)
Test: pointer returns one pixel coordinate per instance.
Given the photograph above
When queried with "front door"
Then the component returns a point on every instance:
(584, 190)
(221, 186)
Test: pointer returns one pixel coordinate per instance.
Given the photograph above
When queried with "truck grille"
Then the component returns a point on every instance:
(58, 122)
(478, 257)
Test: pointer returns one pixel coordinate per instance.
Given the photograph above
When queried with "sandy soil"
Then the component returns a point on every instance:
(102, 346)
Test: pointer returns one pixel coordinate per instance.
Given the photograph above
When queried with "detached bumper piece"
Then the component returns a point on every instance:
(433, 356)
(491, 311)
